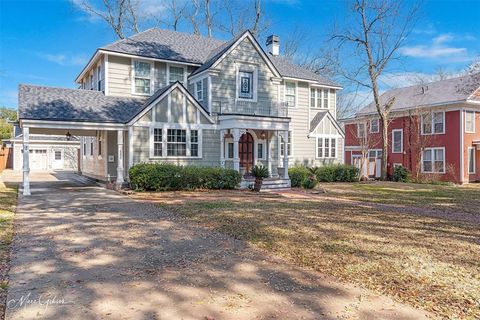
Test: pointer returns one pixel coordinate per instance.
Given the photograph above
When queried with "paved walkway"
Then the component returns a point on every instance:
(83, 252)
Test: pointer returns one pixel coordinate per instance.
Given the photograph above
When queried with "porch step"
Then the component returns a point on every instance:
(269, 183)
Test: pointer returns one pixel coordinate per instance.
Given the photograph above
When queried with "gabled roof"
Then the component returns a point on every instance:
(444, 92)
(168, 45)
(319, 117)
(60, 104)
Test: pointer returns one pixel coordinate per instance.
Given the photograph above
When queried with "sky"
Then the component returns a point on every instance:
(48, 42)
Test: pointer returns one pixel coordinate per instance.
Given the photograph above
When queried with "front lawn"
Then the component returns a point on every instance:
(430, 263)
(8, 203)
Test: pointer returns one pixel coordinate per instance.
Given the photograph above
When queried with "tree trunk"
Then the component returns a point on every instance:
(384, 147)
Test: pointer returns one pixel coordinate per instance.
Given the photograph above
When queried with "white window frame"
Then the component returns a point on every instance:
(91, 81)
(319, 93)
(432, 150)
(227, 142)
(199, 89)
(169, 65)
(188, 129)
(432, 124)
(99, 77)
(330, 147)
(378, 125)
(151, 77)
(91, 147)
(364, 130)
(285, 93)
(470, 149)
(473, 121)
(280, 143)
(325, 97)
(100, 148)
(263, 143)
(401, 140)
(243, 67)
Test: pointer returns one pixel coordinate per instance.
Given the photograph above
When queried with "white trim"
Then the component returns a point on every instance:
(165, 127)
(176, 66)
(465, 117)
(130, 147)
(81, 125)
(462, 147)
(246, 67)
(474, 161)
(285, 93)
(401, 140)
(195, 85)
(432, 150)
(280, 138)
(132, 79)
(432, 114)
(333, 121)
(330, 146)
(105, 86)
(167, 94)
(209, 93)
(378, 125)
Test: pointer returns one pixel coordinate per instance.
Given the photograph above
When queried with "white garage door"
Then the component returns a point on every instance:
(38, 159)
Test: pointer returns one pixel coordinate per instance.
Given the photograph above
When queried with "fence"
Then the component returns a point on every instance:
(6, 155)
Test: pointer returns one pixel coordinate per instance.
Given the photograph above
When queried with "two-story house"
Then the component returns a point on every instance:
(174, 97)
(434, 131)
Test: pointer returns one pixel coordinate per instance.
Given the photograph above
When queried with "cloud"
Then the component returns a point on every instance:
(438, 48)
(65, 59)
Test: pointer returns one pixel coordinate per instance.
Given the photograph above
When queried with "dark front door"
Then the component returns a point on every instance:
(245, 151)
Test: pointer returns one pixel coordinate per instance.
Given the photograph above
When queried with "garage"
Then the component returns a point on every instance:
(38, 159)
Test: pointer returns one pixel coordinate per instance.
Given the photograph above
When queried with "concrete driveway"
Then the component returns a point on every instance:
(83, 252)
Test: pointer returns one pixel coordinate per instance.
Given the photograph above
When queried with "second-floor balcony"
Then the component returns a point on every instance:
(249, 108)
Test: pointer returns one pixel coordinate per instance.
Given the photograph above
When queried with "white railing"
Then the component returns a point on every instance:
(233, 106)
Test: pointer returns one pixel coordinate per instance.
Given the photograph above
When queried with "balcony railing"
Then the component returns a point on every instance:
(266, 109)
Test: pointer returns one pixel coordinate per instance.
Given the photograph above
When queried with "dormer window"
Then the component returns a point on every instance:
(199, 90)
(142, 77)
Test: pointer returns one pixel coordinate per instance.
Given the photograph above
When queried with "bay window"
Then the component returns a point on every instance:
(157, 142)
(433, 160)
(194, 143)
(176, 142)
(142, 77)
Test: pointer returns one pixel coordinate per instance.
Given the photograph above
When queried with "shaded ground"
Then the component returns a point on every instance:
(8, 202)
(429, 262)
(104, 256)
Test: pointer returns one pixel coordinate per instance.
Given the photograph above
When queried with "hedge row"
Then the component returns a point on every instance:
(163, 177)
(328, 173)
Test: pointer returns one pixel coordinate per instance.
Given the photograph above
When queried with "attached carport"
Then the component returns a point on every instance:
(74, 112)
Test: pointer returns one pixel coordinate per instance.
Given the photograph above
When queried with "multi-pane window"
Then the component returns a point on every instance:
(157, 142)
(176, 142)
(374, 126)
(194, 143)
(361, 133)
(471, 160)
(433, 160)
(470, 121)
(397, 141)
(199, 90)
(246, 85)
(319, 98)
(176, 74)
(290, 93)
(326, 147)
(289, 145)
(433, 122)
(260, 151)
(99, 78)
(58, 155)
(142, 77)
(230, 150)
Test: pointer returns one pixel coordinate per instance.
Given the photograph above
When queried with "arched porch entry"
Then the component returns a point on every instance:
(246, 151)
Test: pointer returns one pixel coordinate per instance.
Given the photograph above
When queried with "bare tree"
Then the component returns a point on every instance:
(378, 30)
(243, 15)
(366, 142)
(120, 15)
(192, 15)
(174, 13)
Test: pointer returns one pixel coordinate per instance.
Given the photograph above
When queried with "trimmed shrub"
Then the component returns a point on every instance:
(297, 175)
(164, 176)
(309, 183)
(337, 173)
(400, 174)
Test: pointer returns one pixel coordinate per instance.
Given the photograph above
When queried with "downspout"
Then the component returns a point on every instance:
(462, 148)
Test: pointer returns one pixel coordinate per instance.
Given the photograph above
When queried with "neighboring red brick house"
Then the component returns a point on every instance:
(434, 132)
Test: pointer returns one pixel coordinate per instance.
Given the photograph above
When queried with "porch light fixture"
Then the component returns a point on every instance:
(263, 135)
(69, 136)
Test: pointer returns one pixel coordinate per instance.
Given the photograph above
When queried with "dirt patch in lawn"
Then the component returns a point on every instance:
(431, 263)
(8, 203)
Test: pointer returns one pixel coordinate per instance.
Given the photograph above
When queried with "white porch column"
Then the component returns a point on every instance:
(285, 154)
(269, 153)
(26, 163)
(120, 157)
(236, 157)
(222, 148)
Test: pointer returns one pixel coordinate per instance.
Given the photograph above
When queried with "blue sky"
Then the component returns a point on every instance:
(48, 42)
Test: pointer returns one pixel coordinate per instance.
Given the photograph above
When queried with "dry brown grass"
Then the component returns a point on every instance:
(8, 203)
(427, 262)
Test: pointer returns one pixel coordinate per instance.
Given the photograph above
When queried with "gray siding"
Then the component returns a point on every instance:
(119, 76)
